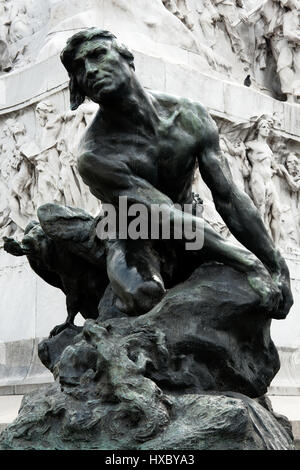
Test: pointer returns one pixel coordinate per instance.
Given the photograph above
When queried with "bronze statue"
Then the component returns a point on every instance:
(181, 354)
(145, 146)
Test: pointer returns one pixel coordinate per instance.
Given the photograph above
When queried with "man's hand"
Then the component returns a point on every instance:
(273, 289)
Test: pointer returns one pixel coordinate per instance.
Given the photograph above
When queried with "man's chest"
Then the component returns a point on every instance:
(169, 153)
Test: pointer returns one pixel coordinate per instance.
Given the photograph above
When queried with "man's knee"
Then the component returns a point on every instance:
(134, 275)
(142, 297)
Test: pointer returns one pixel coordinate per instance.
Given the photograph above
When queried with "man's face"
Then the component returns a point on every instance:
(292, 165)
(100, 70)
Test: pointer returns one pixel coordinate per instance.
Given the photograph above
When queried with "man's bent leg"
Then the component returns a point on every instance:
(221, 250)
(133, 268)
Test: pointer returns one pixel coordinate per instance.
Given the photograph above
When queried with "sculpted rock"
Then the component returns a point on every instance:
(131, 382)
(199, 422)
(52, 348)
(213, 335)
(210, 333)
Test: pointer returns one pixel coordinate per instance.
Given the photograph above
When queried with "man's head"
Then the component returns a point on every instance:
(97, 64)
(292, 164)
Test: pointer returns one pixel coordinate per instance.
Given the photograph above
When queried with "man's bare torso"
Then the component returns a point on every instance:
(165, 157)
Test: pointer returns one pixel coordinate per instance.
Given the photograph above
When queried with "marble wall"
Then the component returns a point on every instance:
(230, 56)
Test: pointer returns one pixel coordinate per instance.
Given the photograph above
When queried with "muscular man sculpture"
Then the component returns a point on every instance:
(145, 145)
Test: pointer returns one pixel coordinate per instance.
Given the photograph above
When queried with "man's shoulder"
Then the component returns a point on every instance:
(173, 102)
(194, 115)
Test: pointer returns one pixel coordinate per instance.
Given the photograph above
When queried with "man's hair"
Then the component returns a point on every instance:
(67, 55)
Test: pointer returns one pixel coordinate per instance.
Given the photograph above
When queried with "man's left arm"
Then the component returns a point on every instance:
(238, 211)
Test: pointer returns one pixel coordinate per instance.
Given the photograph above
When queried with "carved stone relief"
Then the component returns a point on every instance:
(180, 9)
(281, 20)
(231, 13)
(5, 60)
(233, 37)
(290, 172)
(263, 167)
(238, 162)
(257, 37)
(20, 20)
(38, 164)
(16, 176)
(208, 17)
(267, 167)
